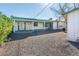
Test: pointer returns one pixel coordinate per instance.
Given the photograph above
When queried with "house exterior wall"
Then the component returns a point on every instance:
(61, 25)
(15, 27)
(58, 25)
(54, 25)
(40, 26)
(20, 25)
(27, 25)
(73, 26)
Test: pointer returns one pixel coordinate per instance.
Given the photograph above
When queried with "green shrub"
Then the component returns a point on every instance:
(5, 27)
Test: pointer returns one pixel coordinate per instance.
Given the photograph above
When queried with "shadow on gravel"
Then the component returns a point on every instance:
(75, 44)
(19, 36)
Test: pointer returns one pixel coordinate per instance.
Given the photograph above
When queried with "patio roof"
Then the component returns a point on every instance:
(28, 19)
(13, 17)
(72, 10)
(31, 19)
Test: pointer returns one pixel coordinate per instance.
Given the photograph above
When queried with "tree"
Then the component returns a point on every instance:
(76, 5)
(62, 10)
(5, 27)
(50, 19)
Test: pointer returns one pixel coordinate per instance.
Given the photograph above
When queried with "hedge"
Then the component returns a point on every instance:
(6, 24)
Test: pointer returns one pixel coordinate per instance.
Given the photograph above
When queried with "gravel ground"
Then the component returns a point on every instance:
(51, 44)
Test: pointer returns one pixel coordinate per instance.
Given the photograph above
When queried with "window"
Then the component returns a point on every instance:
(35, 23)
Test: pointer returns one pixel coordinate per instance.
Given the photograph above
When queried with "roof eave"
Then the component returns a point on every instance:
(72, 11)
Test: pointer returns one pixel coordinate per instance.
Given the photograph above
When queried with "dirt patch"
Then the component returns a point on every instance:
(52, 44)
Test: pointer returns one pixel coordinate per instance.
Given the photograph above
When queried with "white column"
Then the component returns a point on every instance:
(33, 25)
(44, 25)
(57, 24)
(14, 26)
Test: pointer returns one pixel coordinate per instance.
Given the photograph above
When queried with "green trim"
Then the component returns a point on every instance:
(72, 10)
(31, 19)
(13, 17)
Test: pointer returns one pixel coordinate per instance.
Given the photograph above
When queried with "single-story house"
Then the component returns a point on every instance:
(29, 24)
(73, 25)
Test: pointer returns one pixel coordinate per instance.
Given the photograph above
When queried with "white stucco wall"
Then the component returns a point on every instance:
(73, 26)
(40, 26)
(54, 25)
(29, 26)
(21, 25)
(61, 25)
(15, 27)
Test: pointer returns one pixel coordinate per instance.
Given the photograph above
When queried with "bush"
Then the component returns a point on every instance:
(5, 27)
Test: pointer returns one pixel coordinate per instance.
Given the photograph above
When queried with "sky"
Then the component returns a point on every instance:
(28, 10)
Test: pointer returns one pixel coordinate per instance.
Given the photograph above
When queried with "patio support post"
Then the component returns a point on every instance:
(25, 26)
(33, 25)
(57, 24)
(44, 25)
(13, 26)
